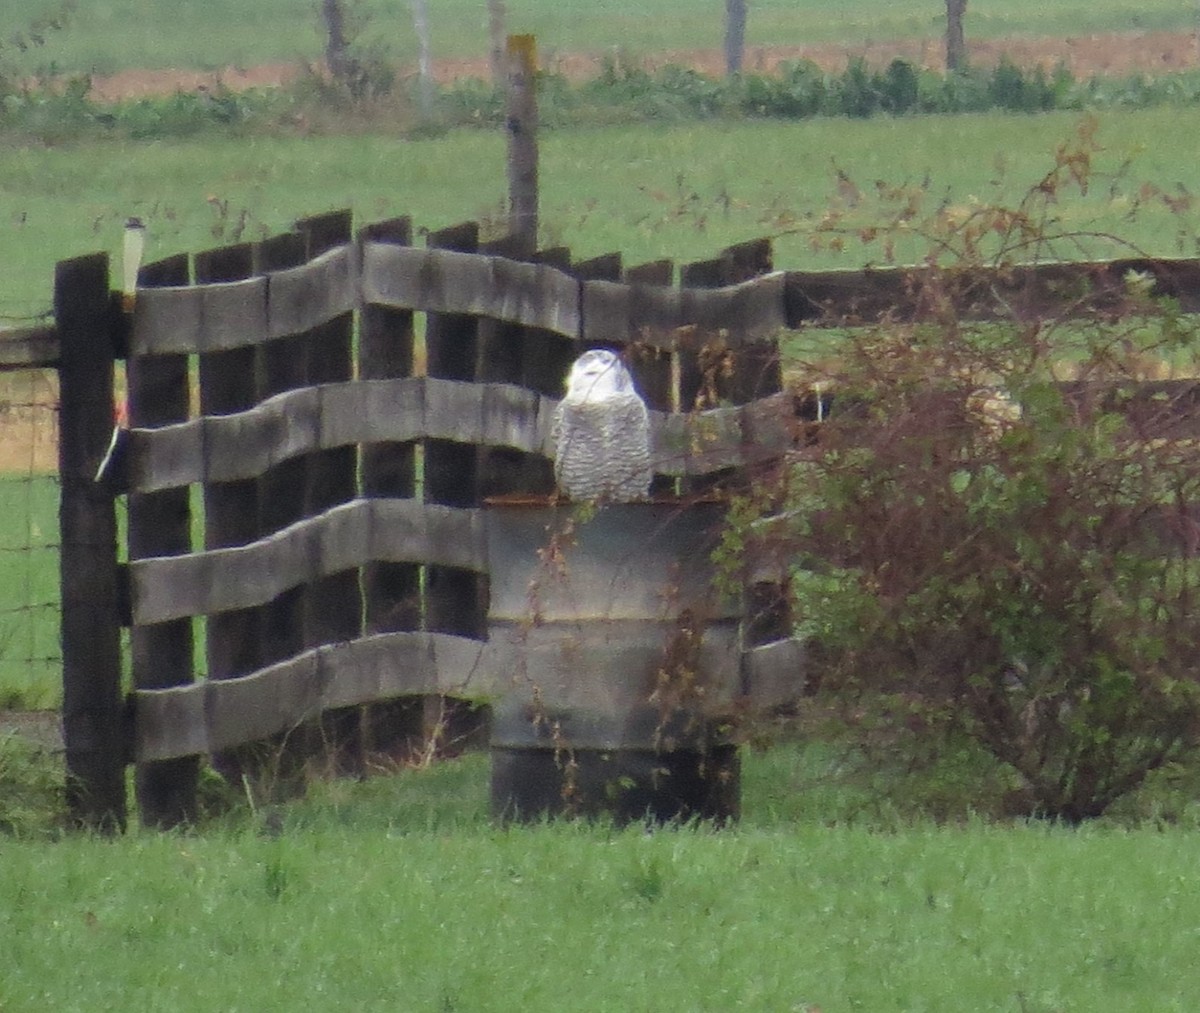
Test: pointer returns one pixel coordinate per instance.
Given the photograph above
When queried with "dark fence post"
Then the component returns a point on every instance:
(160, 524)
(93, 714)
(455, 599)
(391, 591)
(334, 603)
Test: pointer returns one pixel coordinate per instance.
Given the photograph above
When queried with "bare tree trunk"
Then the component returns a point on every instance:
(337, 57)
(956, 43)
(496, 34)
(735, 35)
(420, 10)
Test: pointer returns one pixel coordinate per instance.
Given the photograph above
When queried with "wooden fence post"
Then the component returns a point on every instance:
(93, 713)
(160, 524)
(334, 607)
(455, 599)
(522, 138)
(391, 591)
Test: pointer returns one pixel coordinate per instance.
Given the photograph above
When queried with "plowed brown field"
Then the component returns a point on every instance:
(1084, 55)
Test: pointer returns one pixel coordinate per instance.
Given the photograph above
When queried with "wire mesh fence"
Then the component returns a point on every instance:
(30, 656)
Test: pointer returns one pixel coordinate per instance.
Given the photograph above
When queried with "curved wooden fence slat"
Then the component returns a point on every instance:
(244, 444)
(342, 538)
(447, 281)
(661, 316)
(240, 314)
(210, 716)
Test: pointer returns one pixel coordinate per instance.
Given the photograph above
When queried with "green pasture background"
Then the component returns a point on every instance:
(680, 191)
(110, 35)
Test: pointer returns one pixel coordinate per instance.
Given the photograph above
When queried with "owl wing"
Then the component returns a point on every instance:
(602, 448)
(627, 439)
(580, 456)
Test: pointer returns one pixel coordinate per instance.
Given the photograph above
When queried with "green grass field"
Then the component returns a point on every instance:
(109, 35)
(677, 191)
(396, 894)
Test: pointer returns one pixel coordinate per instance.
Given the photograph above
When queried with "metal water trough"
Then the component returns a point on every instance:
(621, 662)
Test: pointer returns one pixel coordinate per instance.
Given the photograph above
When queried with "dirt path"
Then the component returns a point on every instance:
(1115, 55)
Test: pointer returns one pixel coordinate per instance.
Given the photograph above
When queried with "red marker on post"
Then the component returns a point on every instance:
(116, 444)
(133, 247)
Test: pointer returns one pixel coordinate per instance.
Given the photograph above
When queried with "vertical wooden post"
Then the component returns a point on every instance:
(333, 604)
(455, 599)
(160, 524)
(227, 385)
(282, 365)
(93, 725)
(391, 591)
(420, 10)
(385, 351)
(651, 366)
(522, 137)
(956, 42)
(496, 47)
(735, 35)
(528, 357)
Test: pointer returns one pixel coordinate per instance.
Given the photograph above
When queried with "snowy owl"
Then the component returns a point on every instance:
(601, 433)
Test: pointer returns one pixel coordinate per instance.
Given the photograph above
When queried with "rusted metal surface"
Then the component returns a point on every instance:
(622, 660)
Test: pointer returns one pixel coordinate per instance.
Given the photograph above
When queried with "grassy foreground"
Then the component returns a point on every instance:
(397, 894)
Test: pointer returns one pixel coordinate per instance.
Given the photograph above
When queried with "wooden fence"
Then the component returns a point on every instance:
(299, 483)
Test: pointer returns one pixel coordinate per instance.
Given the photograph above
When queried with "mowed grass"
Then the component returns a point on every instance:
(398, 895)
(110, 35)
(651, 191)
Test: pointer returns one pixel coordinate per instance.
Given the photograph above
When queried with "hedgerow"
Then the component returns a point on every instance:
(53, 110)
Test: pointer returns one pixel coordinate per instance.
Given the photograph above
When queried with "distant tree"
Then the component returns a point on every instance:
(956, 43)
(360, 68)
(496, 33)
(735, 35)
(337, 44)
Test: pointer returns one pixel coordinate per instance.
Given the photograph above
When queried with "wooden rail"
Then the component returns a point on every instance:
(29, 348)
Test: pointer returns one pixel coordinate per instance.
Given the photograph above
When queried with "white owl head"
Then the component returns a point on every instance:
(597, 375)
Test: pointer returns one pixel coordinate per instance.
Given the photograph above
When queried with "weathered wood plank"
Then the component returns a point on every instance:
(739, 314)
(450, 281)
(1021, 292)
(305, 297)
(223, 449)
(202, 318)
(28, 348)
(344, 537)
(220, 715)
(93, 727)
(704, 443)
